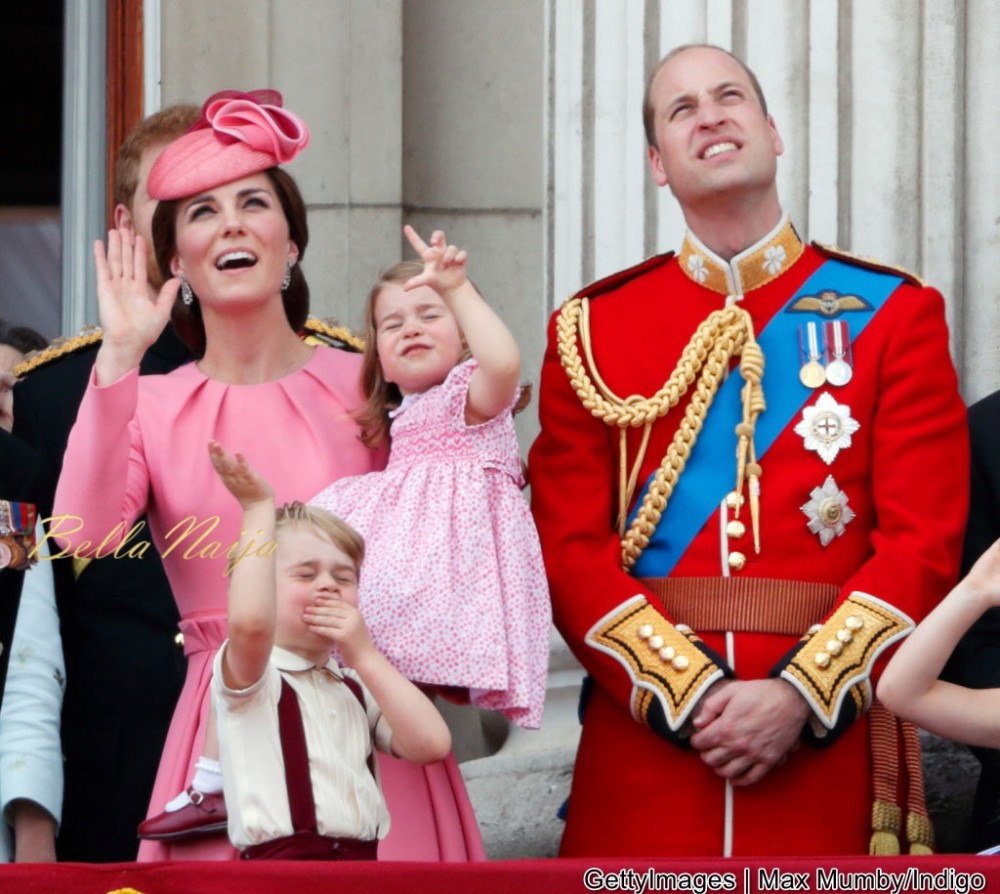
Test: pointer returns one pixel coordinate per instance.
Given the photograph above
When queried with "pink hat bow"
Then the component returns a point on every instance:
(258, 119)
(238, 134)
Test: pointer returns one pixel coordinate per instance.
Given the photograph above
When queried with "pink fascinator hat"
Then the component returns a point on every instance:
(238, 134)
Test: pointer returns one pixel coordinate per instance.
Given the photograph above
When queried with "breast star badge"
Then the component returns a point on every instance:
(826, 427)
(827, 511)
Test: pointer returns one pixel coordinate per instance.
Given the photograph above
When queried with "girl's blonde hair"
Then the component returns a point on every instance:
(382, 396)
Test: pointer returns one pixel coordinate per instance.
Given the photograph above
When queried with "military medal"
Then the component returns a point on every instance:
(827, 511)
(17, 534)
(826, 427)
(812, 374)
(838, 343)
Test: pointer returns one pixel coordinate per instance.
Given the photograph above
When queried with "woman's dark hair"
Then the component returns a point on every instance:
(187, 317)
(21, 338)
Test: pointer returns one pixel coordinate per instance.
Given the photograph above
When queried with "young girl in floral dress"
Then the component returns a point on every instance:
(454, 589)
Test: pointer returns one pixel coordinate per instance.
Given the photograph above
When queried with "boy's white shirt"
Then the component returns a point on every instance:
(349, 801)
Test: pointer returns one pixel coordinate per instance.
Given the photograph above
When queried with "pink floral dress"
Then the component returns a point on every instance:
(453, 587)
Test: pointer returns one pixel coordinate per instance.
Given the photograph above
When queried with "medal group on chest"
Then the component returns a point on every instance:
(826, 425)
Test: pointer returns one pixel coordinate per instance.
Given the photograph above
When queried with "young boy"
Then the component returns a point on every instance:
(305, 787)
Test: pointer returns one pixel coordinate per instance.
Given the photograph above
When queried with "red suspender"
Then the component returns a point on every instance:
(296, 757)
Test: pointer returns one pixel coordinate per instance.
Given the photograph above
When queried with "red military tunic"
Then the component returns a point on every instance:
(637, 789)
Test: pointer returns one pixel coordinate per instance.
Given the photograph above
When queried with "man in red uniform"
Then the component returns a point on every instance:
(750, 480)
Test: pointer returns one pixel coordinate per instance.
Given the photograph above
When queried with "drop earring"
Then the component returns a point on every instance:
(187, 296)
(287, 281)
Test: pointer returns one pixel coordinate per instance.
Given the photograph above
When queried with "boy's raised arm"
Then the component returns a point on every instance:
(252, 597)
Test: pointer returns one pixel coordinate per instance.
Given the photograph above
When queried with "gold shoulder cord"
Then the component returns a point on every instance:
(723, 335)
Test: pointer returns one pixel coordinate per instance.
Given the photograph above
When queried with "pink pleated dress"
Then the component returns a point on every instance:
(141, 444)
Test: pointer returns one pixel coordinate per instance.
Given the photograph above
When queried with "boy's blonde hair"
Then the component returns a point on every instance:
(326, 524)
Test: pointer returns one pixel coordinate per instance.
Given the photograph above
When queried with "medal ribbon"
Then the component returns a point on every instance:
(708, 475)
(813, 339)
(17, 518)
(836, 338)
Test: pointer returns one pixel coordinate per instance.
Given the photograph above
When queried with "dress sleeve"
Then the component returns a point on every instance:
(30, 750)
(104, 483)
(456, 386)
(656, 670)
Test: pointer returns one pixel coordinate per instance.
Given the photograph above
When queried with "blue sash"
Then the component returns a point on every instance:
(710, 472)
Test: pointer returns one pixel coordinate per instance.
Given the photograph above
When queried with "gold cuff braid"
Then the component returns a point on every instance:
(839, 657)
(661, 659)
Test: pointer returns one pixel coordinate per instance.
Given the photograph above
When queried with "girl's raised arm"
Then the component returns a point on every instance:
(496, 379)
(909, 685)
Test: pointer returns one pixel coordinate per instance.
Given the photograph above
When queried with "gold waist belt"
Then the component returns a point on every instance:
(743, 604)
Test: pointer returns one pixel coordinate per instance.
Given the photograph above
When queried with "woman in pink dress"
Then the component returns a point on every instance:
(454, 590)
(230, 231)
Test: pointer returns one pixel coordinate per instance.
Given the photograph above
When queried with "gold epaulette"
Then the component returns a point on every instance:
(612, 282)
(59, 347)
(831, 251)
(330, 332)
(316, 331)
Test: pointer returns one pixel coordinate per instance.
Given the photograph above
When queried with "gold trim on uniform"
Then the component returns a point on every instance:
(829, 304)
(317, 331)
(832, 251)
(840, 655)
(660, 659)
(58, 347)
(750, 269)
(726, 333)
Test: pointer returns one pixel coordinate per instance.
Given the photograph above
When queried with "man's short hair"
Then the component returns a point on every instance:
(647, 106)
(160, 127)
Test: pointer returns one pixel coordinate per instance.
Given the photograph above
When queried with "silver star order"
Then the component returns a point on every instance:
(827, 511)
(826, 427)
